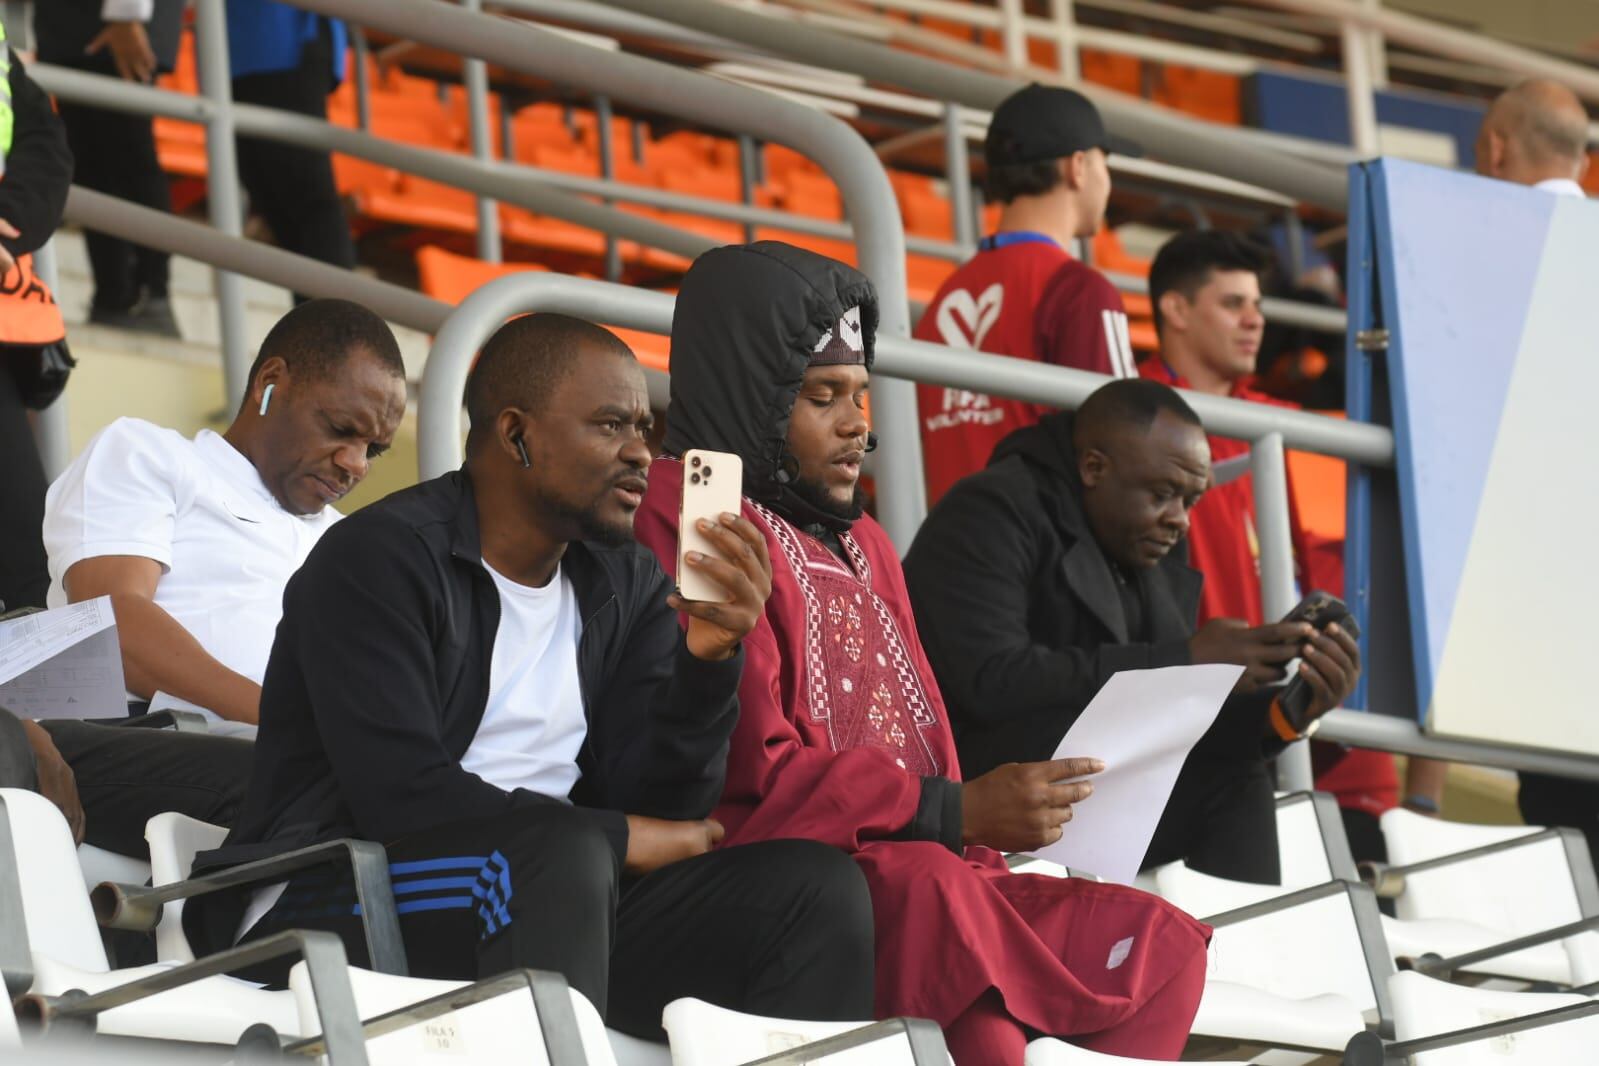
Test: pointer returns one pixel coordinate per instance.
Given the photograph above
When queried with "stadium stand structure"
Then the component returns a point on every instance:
(1325, 944)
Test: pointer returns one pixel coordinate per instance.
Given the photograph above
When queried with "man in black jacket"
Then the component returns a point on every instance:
(133, 40)
(1064, 562)
(486, 674)
(35, 173)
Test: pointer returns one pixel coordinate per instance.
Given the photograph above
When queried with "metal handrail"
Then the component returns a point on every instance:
(869, 201)
(651, 311)
(1248, 156)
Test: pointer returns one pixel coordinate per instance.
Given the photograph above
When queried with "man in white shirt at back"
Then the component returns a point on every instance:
(1536, 133)
(194, 540)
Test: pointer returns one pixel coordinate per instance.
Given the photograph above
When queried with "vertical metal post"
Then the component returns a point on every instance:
(363, 71)
(1379, 51)
(1064, 17)
(1269, 470)
(507, 139)
(475, 75)
(1294, 232)
(1361, 92)
(1013, 31)
(222, 187)
(602, 118)
(747, 180)
(958, 172)
(50, 425)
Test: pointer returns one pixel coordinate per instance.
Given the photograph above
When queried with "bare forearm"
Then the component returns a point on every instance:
(159, 655)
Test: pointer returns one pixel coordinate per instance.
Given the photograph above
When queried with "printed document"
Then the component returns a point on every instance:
(63, 663)
(1142, 724)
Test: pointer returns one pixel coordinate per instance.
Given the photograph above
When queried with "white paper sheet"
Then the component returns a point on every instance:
(63, 663)
(1142, 724)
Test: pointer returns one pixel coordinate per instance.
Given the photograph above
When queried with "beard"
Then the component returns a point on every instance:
(589, 520)
(814, 494)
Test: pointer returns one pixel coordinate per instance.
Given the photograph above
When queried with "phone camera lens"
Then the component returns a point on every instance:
(694, 461)
(694, 479)
(707, 471)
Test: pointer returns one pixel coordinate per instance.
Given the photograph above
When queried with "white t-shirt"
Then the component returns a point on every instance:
(1562, 187)
(200, 509)
(533, 724)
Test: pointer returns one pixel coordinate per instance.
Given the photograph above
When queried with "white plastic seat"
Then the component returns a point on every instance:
(1512, 893)
(67, 952)
(1302, 847)
(174, 840)
(1427, 1007)
(98, 865)
(476, 1034)
(1051, 1052)
(1253, 1016)
(702, 1034)
(1298, 977)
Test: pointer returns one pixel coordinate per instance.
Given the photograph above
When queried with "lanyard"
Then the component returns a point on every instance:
(1020, 236)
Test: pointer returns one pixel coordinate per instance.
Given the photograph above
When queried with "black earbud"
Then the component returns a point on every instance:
(521, 449)
(871, 441)
(787, 470)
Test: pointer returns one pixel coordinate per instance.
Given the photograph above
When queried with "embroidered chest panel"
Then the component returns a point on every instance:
(860, 682)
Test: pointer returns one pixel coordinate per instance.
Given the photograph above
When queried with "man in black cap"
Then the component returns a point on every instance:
(1023, 295)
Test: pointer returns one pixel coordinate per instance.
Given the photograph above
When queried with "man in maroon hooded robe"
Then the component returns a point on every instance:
(842, 735)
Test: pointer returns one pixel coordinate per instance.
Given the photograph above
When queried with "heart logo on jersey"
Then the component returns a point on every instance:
(963, 322)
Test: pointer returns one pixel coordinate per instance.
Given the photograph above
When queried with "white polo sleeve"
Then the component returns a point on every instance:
(126, 10)
(122, 496)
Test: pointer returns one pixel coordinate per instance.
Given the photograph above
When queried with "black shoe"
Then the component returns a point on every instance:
(152, 314)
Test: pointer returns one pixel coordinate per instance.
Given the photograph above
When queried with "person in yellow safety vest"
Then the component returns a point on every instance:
(35, 173)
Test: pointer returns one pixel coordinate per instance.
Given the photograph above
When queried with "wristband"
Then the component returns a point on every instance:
(1284, 729)
(1420, 804)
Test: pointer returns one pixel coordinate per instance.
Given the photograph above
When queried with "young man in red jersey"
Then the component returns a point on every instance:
(1205, 289)
(1023, 294)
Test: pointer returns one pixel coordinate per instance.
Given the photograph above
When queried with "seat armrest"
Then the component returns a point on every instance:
(926, 1042)
(181, 721)
(325, 964)
(552, 1000)
(138, 907)
(1445, 968)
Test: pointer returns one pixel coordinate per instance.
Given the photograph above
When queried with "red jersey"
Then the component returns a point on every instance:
(1022, 295)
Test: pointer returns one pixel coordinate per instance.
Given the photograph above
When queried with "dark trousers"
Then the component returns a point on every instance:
(17, 768)
(115, 154)
(1222, 820)
(24, 571)
(126, 776)
(781, 927)
(1560, 801)
(292, 188)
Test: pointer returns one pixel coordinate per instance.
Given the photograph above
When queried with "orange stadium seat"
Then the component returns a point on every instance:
(452, 278)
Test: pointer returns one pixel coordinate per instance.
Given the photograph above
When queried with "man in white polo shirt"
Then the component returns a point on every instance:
(194, 540)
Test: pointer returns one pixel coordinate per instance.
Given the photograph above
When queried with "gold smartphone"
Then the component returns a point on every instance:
(713, 484)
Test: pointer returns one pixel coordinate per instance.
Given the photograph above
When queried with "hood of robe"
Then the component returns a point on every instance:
(747, 324)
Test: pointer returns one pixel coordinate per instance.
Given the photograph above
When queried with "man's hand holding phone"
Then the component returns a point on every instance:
(744, 569)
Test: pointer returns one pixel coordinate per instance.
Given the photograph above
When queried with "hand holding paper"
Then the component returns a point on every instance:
(1142, 724)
